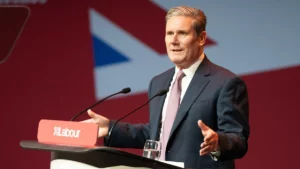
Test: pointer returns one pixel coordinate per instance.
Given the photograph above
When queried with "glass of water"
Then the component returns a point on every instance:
(152, 149)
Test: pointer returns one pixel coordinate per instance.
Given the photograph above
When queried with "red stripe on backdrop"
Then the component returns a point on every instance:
(274, 119)
(144, 20)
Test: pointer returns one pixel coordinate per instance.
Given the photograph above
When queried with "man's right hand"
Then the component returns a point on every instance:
(101, 121)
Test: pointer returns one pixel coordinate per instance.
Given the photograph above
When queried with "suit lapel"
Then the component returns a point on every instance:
(195, 88)
(160, 103)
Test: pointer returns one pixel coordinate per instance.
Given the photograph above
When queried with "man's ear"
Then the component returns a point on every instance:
(202, 38)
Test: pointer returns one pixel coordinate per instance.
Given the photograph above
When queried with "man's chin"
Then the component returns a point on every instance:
(176, 58)
(177, 62)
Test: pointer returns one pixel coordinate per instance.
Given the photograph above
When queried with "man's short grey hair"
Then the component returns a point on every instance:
(198, 16)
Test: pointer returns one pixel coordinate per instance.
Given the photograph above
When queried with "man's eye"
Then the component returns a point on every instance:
(170, 33)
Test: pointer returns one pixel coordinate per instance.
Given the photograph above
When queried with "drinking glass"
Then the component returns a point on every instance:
(152, 149)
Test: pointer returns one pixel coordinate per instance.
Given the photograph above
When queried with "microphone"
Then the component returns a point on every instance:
(160, 93)
(124, 91)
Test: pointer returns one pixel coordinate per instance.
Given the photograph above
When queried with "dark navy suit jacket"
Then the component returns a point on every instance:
(216, 96)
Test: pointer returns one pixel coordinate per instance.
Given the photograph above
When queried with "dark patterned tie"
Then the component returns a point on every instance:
(173, 104)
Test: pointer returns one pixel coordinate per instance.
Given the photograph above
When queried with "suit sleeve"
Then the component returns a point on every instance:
(233, 119)
(126, 135)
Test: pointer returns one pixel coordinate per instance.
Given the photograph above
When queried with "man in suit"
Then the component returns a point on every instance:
(203, 119)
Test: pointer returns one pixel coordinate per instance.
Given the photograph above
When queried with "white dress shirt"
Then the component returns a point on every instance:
(189, 74)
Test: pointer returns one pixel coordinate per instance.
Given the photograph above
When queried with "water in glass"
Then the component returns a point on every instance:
(151, 153)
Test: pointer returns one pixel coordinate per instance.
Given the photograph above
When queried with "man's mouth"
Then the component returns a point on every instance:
(176, 50)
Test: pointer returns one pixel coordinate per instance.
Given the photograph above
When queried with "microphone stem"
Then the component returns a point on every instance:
(93, 105)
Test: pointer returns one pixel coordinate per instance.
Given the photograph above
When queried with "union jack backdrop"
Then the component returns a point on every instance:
(73, 53)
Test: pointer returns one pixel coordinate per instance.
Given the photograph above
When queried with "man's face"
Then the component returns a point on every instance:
(183, 46)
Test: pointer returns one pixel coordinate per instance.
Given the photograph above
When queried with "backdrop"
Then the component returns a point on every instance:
(73, 53)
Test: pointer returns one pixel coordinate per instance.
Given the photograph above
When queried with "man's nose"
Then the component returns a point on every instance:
(174, 40)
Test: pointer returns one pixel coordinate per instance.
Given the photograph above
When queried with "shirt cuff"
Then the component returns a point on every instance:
(215, 155)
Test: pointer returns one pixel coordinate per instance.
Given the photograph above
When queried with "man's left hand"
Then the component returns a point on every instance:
(211, 139)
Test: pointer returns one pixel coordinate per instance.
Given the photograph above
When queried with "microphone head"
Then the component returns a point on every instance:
(126, 90)
(162, 92)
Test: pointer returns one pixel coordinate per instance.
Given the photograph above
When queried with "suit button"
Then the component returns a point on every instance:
(169, 151)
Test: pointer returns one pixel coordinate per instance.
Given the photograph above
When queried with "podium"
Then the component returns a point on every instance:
(67, 157)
